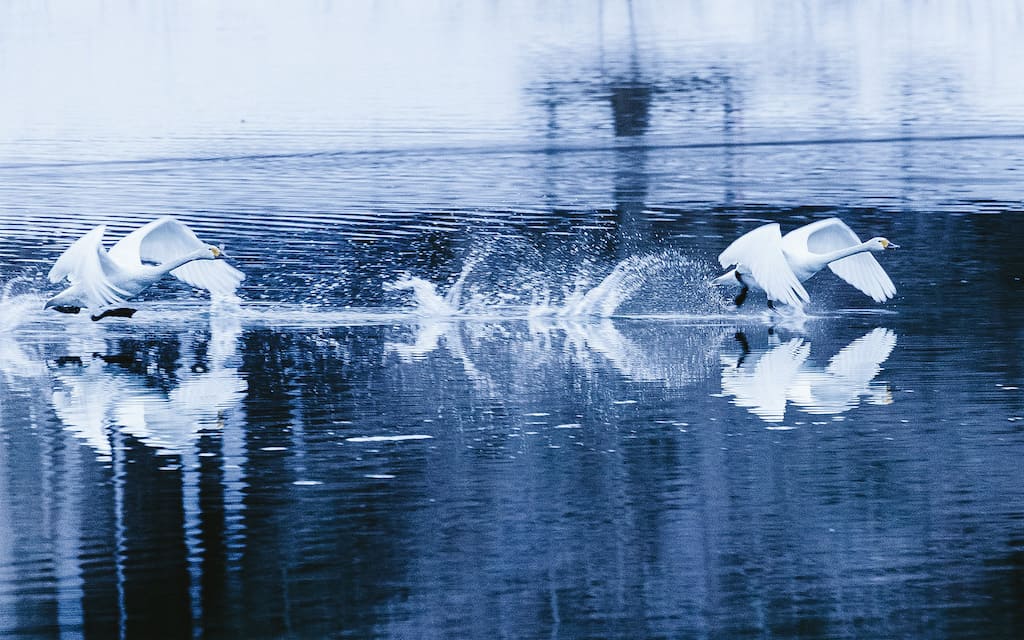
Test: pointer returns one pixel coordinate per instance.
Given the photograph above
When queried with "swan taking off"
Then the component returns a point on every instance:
(103, 280)
(767, 261)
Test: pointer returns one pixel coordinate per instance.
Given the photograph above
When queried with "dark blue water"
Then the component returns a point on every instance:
(476, 384)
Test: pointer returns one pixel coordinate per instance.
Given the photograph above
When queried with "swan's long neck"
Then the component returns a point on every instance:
(171, 265)
(839, 254)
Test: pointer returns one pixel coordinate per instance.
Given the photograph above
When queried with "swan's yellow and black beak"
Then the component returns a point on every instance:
(217, 253)
(886, 244)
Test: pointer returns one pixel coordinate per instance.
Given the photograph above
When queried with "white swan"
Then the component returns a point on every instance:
(104, 280)
(765, 260)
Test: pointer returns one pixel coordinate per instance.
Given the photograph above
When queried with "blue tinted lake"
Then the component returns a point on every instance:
(476, 384)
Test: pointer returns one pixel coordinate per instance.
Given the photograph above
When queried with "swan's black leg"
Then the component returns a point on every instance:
(744, 345)
(121, 312)
(771, 305)
(742, 296)
(67, 309)
(742, 339)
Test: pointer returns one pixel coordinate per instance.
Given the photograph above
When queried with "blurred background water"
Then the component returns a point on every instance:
(476, 385)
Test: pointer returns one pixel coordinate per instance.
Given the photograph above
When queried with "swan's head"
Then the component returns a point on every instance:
(881, 244)
(62, 299)
(728, 279)
(210, 252)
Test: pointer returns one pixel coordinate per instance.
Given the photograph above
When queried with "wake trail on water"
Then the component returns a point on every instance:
(664, 284)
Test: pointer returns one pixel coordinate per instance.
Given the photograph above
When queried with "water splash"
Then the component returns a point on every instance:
(21, 366)
(670, 281)
(426, 297)
(17, 308)
(454, 296)
(428, 301)
(625, 281)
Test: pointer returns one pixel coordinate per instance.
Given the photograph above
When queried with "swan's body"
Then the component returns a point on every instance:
(765, 260)
(104, 280)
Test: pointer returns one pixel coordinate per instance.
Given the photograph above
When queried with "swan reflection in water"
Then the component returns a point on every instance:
(639, 351)
(765, 382)
(115, 403)
(94, 393)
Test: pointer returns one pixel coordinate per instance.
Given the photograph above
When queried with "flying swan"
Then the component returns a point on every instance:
(765, 260)
(103, 280)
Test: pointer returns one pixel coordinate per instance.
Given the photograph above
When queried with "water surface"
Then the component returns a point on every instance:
(476, 384)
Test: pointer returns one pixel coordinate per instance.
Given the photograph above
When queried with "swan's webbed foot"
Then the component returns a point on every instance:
(771, 305)
(741, 297)
(66, 308)
(120, 312)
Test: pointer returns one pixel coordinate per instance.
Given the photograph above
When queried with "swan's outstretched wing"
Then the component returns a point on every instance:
(86, 264)
(165, 239)
(860, 270)
(760, 252)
